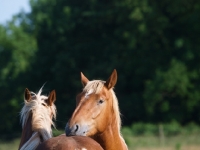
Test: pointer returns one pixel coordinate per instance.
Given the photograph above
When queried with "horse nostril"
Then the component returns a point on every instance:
(77, 127)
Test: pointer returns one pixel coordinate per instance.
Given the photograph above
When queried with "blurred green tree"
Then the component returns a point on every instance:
(152, 44)
(17, 49)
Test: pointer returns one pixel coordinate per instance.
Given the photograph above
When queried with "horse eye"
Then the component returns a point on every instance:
(100, 101)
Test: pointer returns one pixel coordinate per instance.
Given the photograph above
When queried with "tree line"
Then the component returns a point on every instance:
(153, 45)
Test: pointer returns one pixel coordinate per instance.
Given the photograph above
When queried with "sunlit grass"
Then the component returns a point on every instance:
(9, 145)
(180, 142)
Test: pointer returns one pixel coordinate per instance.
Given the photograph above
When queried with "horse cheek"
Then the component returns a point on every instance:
(96, 113)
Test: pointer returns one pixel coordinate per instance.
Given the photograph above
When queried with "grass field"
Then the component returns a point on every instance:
(146, 137)
(9, 145)
(190, 142)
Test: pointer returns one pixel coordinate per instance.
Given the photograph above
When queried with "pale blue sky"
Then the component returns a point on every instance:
(8, 8)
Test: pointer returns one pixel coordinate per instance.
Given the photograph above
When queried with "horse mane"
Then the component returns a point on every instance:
(41, 115)
(97, 86)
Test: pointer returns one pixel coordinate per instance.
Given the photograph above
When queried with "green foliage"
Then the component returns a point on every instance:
(173, 128)
(13, 144)
(191, 128)
(17, 49)
(144, 129)
(167, 135)
(152, 44)
(172, 90)
(168, 129)
(58, 132)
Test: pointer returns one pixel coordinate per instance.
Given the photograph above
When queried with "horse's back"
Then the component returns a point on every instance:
(63, 142)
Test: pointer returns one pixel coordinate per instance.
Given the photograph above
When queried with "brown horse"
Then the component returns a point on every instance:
(36, 117)
(97, 114)
(62, 142)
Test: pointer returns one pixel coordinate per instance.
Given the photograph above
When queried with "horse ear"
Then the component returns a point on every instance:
(84, 80)
(112, 80)
(27, 95)
(52, 98)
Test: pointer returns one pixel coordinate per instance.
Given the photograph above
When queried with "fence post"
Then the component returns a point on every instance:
(161, 135)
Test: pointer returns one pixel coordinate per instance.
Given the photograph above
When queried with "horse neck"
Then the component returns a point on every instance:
(26, 132)
(111, 138)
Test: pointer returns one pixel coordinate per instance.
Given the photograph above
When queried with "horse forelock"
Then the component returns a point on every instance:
(41, 115)
(96, 86)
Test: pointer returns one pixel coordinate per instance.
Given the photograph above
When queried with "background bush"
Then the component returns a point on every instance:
(154, 45)
(169, 129)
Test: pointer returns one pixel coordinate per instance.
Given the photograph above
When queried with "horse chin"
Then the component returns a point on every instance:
(90, 134)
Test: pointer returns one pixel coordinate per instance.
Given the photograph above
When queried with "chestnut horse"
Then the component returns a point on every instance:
(97, 114)
(36, 117)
